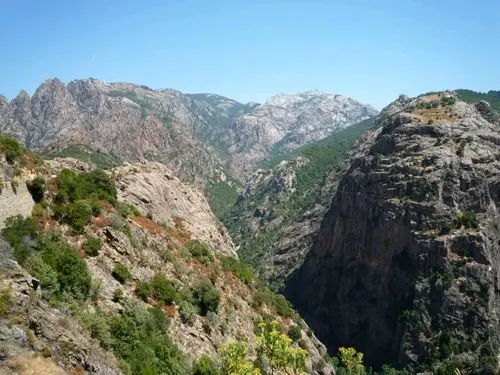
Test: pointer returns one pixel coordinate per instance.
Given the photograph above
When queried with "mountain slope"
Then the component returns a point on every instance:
(277, 215)
(405, 265)
(195, 135)
(289, 121)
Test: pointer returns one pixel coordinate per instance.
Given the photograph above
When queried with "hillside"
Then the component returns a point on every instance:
(277, 216)
(90, 285)
(405, 265)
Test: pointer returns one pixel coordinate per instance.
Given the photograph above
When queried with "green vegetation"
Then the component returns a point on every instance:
(95, 184)
(21, 234)
(36, 188)
(206, 296)
(99, 159)
(139, 338)
(240, 270)
(121, 273)
(294, 332)
(127, 210)
(5, 298)
(164, 290)
(222, 195)
(77, 214)
(92, 245)
(205, 366)
(492, 97)
(467, 219)
(323, 156)
(13, 150)
(200, 251)
(187, 312)
(144, 290)
(273, 300)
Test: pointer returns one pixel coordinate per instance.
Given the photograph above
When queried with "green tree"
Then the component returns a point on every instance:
(276, 351)
(352, 361)
(206, 296)
(205, 366)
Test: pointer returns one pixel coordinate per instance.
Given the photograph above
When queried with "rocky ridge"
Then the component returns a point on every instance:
(405, 265)
(193, 134)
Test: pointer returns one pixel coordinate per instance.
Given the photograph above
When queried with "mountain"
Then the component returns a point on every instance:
(124, 272)
(406, 262)
(287, 122)
(277, 214)
(198, 136)
(470, 96)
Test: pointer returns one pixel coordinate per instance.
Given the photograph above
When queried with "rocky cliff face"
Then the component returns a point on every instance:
(405, 267)
(193, 134)
(278, 213)
(289, 121)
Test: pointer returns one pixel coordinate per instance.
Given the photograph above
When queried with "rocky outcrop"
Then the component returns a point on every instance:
(38, 339)
(406, 263)
(15, 198)
(154, 190)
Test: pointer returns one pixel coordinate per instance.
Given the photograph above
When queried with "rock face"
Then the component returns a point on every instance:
(288, 121)
(15, 198)
(405, 267)
(153, 189)
(278, 213)
(128, 122)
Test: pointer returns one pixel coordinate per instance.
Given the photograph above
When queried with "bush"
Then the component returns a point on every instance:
(144, 290)
(77, 215)
(211, 322)
(117, 295)
(121, 273)
(12, 149)
(126, 210)
(72, 272)
(205, 366)
(37, 210)
(45, 274)
(21, 234)
(281, 305)
(240, 270)
(200, 251)
(5, 298)
(206, 296)
(92, 245)
(94, 184)
(36, 188)
(468, 219)
(164, 290)
(294, 332)
(187, 312)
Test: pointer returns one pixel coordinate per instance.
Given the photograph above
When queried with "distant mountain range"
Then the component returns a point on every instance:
(196, 135)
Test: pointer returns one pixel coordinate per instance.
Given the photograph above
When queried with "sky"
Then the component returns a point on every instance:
(372, 50)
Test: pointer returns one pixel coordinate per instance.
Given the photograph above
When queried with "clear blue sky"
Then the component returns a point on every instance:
(372, 50)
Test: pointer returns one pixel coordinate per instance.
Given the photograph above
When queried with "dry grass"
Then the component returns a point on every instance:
(27, 364)
(52, 185)
(438, 115)
(100, 222)
(151, 226)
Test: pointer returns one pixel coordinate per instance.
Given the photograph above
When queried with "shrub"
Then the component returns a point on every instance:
(294, 332)
(164, 290)
(12, 149)
(211, 322)
(94, 184)
(36, 188)
(144, 290)
(121, 273)
(5, 298)
(21, 233)
(187, 313)
(200, 251)
(45, 274)
(72, 272)
(92, 245)
(279, 302)
(117, 295)
(127, 210)
(205, 366)
(206, 296)
(37, 210)
(468, 219)
(77, 215)
(240, 270)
